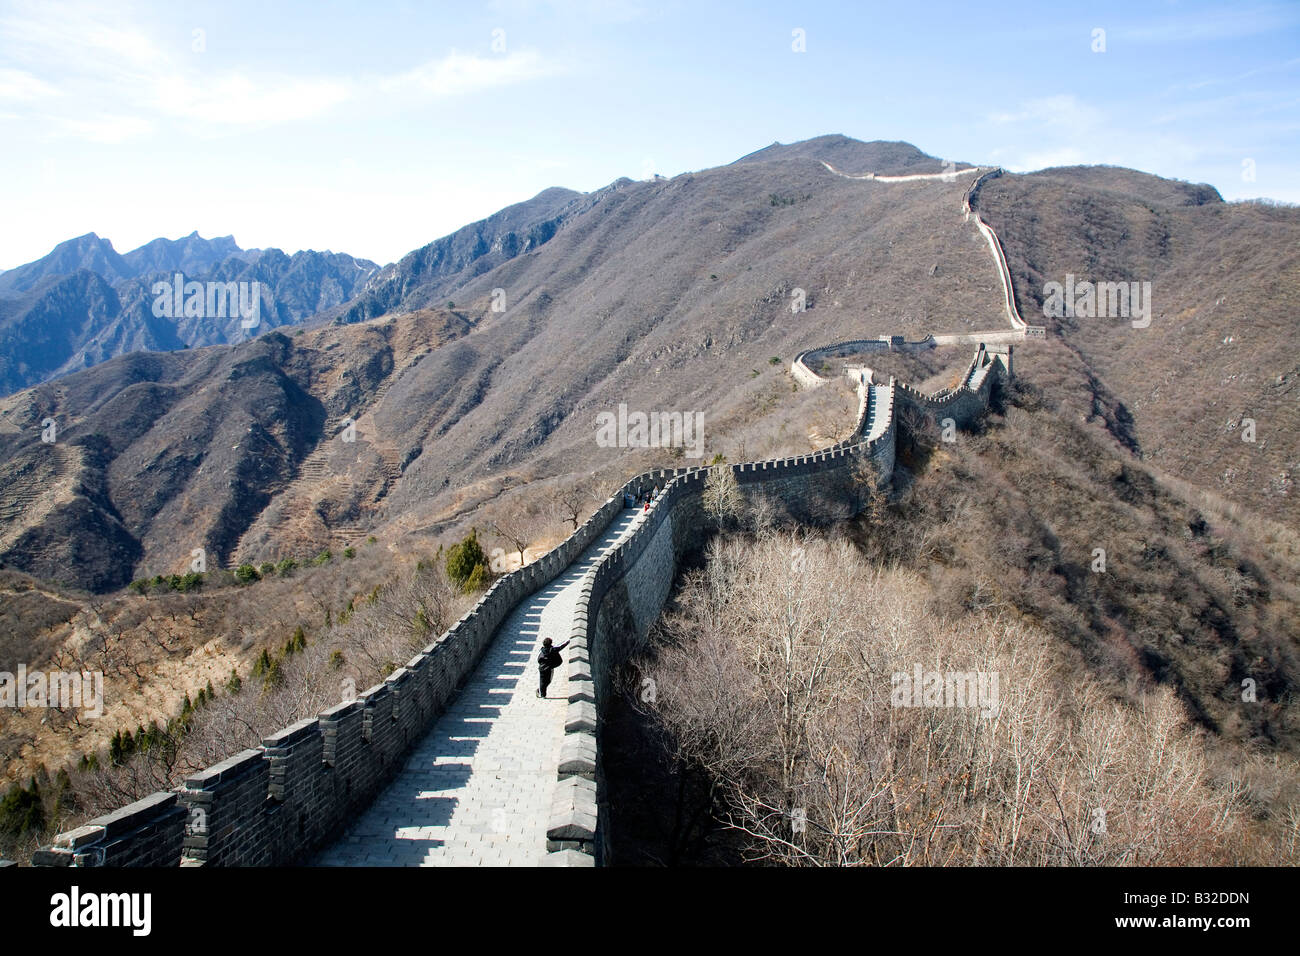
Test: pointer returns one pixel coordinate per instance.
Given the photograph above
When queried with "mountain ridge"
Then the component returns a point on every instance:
(55, 322)
(96, 254)
(671, 291)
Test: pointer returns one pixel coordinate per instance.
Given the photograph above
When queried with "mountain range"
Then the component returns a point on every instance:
(479, 361)
(85, 303)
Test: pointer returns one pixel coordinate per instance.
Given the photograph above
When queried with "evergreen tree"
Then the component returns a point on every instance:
(22, 810)
(464, 558)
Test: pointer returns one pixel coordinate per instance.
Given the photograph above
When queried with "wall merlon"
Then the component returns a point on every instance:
(573, 810)
(133, 816)
(580, 690)
(82, 836)
(230, 769)
(295, 733)
(581, 716)
(568, 857)
(578, 753)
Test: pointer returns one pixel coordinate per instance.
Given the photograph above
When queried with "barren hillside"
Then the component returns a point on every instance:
(1221, 346)
(670, 295)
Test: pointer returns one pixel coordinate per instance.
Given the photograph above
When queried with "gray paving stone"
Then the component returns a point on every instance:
(480, 788)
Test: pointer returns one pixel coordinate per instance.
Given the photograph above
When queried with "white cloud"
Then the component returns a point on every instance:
(1062, 130)
(1063, 156)
(613, 11)
(1063, 111)
(1233, 22)
(1280, 67)
(20, 85)
(75, 40)
(117, 83)
(458, 74)
(236, 100)
(1045, 131)
(108, 129)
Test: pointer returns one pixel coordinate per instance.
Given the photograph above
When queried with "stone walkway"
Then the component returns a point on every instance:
(476, 791)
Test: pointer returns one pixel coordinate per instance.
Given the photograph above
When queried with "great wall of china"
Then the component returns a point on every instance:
(451, 759)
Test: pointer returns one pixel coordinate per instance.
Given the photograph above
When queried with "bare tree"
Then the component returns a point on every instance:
(777, 673)
(518, 531)
(569, 504)
(721, 497)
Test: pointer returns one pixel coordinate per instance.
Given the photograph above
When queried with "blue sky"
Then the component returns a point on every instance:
(372, 128)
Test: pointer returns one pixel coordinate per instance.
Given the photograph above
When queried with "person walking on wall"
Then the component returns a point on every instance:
(547, 661)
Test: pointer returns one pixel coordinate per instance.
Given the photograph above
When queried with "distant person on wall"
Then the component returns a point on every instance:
(547, 661)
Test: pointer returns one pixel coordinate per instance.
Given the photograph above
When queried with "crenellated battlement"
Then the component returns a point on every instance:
(627, 589)
(279, 803)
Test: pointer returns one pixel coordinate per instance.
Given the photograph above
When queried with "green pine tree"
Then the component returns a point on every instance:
(274, 676)
(464, 558)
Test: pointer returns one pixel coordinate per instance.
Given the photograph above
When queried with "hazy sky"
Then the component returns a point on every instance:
(372, 128)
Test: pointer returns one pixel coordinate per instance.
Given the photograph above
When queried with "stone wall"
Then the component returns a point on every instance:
(802, 366)
(995, 245)
(1005, 336)
(625, 592)
(278, 803)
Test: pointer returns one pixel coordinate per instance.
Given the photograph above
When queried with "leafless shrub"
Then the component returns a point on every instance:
(775, 672)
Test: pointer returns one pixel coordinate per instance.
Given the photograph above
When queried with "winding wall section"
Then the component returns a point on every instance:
(297, 794)
(295, 797)
(804, 362)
